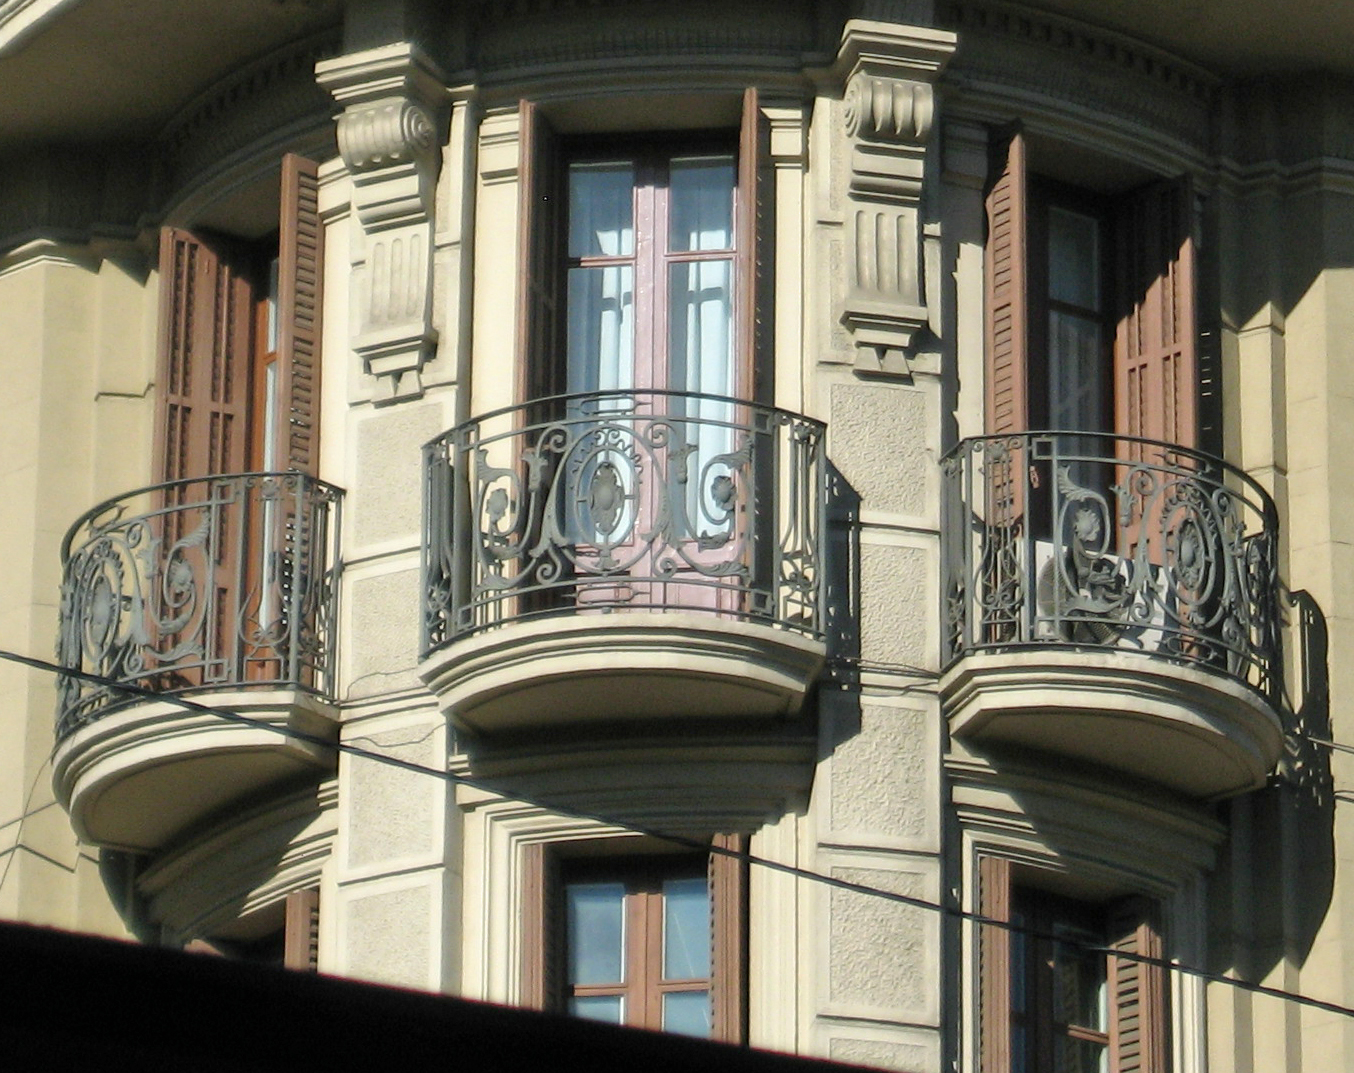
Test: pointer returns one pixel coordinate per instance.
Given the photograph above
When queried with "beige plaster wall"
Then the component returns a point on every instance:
(78, 327)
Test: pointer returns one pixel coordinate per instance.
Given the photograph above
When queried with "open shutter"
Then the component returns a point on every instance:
(728, 878)
(994, 964)
(1007, 300)
(300, 272)
(540, 366)
(1155, 347)
(205, 337)
(1139, 1026)
(542, 929)
(301, 942)
(753, 235)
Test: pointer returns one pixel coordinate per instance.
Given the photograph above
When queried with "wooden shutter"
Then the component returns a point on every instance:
(1155, 347)
(754, 272)
(540, 364)
(542, 929)
(1006, 301)
(206, 320)
(1139, 1018)
(300, 274)
(994, 965)
(301, 942)
(728, 878)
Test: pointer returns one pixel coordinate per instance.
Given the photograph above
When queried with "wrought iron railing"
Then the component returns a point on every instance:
(604, 501)
(1077, 539)
(217, 582)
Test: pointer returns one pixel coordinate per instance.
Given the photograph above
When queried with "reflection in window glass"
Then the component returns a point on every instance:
(596, 932)
(687, 1012)
(601, 210)
(701, 210)
(686, 929)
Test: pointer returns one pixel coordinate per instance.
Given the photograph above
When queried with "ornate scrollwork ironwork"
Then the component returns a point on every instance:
(1087, 539)
(218, 582)
(638, 499)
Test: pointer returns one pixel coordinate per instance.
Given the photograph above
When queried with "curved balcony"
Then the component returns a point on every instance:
(221, 587)
(1113, 599)
(623, 556)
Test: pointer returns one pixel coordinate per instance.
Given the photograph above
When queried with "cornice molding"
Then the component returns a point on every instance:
(275, 93)
(1020, 55)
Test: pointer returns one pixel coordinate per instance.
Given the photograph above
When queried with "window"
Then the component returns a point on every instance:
(650, 941)
(1090, 306)
(1051, 999)
(641, 260)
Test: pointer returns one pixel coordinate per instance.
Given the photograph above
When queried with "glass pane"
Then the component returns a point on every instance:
(596, 932)
(273, 330)
(601, 328)
(1079, 1056)
(687, 1012)
(1076, 373)
(686, 929)
(1079, 985)
(1018, 967)
(700, 213)
(597, 1008)
(700, 327)
(1074, 259)
(601, 209)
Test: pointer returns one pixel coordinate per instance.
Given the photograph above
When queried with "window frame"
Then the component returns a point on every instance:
(1137, 992)
(546, 867)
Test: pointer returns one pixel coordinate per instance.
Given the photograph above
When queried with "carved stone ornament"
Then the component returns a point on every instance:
(888, 112)
(387, 137)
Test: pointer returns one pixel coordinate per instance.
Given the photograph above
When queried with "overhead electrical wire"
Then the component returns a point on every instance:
(685, 841)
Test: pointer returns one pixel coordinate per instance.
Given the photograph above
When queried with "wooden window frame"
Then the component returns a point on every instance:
(546, 870)
(1138, 1029)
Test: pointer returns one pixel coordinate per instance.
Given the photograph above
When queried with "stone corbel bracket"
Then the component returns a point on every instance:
(392, 100)
(889, 111)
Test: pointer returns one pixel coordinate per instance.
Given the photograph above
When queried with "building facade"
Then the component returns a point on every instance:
(886, 445)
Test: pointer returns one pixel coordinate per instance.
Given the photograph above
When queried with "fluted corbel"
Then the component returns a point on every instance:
(392, 99)
(888, 111)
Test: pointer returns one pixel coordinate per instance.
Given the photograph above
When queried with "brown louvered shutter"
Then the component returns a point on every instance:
(994, 955)
(1155, 347)
(754, 271)
(301, 938)
(540, 366)
(728, 879)
(206, 318)
(1139, 1014)
(1006, 301)
(542, 929)
(300, 274)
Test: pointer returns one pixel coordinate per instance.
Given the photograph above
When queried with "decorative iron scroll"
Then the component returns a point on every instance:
(215, 582)
(1084, 539)
(605, 501)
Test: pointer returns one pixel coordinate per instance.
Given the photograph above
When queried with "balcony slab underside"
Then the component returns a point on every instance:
(138, 778)
(622, 667)
(1178, 725)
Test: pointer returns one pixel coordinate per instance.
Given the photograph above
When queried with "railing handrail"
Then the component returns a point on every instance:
(562, 400)
(1266, 500)
(329, 489)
